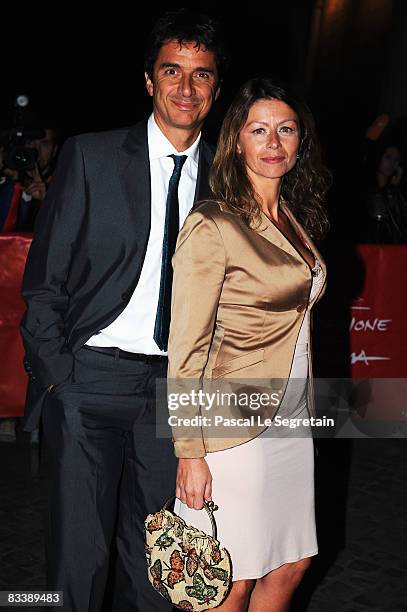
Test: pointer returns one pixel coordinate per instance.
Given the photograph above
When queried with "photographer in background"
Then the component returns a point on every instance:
(26, 166)
(27, 161)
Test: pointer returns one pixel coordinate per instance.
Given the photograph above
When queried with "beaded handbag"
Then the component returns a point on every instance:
(185, 565)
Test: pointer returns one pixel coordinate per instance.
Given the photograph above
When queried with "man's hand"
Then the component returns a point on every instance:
(38, 188)
(194, 482)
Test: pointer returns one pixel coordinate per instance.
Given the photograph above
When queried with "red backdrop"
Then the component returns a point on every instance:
(378, 334)
(378, 324)
(13, 379)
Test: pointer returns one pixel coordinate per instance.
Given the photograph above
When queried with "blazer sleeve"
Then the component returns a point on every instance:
(57, 230)
(199, 272)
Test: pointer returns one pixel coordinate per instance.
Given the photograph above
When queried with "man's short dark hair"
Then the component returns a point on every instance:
(185, 25)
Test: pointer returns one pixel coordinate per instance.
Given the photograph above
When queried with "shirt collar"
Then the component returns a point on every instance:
(159, 146)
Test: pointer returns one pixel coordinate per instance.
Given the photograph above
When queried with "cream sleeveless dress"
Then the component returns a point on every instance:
(265, 487)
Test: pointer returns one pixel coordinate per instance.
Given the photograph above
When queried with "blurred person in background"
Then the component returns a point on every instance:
(384, 211)
(21, 195)
(22, 191)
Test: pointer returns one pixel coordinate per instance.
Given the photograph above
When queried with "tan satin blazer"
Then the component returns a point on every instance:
(239, 298)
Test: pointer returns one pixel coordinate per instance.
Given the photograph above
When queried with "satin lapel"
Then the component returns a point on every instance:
(301, 231)
(270, 232)
(202, 190)
(134, 169)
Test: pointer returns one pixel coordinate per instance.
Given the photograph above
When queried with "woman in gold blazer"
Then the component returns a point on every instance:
(246, 273)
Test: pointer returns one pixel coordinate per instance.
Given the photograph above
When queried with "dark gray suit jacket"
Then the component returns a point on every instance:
(88, 250)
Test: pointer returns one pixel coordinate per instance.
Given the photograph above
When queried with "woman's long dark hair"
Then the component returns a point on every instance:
(303, 188)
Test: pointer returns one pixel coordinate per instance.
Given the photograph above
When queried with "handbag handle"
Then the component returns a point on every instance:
(210, 508)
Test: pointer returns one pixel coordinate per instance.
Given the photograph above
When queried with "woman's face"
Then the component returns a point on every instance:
(269, 140)
(389, 161)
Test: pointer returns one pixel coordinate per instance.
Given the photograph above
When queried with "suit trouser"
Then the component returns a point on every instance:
(108, 471)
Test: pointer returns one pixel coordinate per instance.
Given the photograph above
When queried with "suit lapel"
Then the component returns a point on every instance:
(301, 232)
(134, 170)
(202, 190)
(270, 232)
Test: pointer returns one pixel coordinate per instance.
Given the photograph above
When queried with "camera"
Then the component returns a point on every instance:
(17, 155)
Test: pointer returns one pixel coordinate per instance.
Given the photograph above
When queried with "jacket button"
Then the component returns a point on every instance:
(301, 308)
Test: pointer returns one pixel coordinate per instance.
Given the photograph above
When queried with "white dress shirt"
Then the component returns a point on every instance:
(133, 329)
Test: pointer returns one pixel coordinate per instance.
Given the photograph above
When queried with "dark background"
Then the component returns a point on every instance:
(348, 58)
(345, 56)
(90, 76)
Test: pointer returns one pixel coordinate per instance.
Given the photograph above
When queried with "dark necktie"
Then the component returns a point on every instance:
(171, 229)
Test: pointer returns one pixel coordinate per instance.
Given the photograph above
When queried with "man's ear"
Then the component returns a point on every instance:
(149, 84)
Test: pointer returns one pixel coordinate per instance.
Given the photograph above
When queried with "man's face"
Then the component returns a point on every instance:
(184, 86)
(46, 148)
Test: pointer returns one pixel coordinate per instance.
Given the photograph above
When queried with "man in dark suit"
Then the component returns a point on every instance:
(98, 290)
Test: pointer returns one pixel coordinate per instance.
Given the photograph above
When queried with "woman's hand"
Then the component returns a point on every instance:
(194, 482)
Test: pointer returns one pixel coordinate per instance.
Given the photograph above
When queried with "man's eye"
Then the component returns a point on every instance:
(170, 71)
(202, 75)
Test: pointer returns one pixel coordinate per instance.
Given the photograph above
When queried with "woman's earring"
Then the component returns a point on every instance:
(298, 156)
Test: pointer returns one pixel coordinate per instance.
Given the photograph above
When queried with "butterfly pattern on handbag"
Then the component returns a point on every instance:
(185, 565)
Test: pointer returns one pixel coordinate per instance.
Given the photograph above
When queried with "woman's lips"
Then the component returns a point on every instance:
(272, 160)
